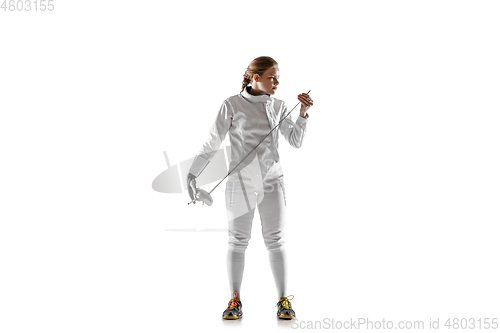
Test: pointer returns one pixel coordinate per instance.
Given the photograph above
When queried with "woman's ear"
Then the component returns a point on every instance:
(256, 77)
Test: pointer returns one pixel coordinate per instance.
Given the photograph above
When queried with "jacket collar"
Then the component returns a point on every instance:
(253, 98)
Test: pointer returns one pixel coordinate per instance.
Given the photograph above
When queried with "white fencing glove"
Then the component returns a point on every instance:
(191, 186)
(198, 194)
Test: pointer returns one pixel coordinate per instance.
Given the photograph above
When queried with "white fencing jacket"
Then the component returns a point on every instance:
(248, 119)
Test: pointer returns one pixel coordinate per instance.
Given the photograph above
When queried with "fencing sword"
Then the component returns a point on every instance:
(204, 196)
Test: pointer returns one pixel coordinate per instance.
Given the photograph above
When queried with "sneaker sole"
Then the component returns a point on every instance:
(231, 317)
(286, 316)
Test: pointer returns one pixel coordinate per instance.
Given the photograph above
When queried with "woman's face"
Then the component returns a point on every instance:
(268, 82)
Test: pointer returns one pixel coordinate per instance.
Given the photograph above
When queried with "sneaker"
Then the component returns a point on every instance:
(233, 310)
(285, 308)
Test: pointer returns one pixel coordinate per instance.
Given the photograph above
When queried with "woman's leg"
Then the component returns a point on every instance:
(272, 216)
(240, 204)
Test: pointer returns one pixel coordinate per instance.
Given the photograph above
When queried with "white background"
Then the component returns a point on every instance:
(392, 201)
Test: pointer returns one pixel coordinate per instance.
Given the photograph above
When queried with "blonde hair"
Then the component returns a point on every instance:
(257, 66)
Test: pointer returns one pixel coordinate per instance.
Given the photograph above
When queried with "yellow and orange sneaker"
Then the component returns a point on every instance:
(285, 310)
(233, 310)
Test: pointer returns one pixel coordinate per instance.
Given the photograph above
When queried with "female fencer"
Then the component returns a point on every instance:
(257, 181)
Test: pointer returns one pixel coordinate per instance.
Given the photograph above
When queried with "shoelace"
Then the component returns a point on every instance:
(284, 301)
(235, 301)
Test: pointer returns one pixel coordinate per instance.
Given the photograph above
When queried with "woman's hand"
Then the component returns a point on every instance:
(306, 103)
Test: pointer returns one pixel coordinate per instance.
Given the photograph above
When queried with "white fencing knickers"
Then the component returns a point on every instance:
(245, 193)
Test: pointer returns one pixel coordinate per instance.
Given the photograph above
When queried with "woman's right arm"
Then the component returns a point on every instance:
(217, 134)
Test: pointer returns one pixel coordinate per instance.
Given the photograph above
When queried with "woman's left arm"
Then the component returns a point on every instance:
(294, 131)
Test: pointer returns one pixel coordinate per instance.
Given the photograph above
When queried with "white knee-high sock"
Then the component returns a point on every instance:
(235, 266)
(277, 258)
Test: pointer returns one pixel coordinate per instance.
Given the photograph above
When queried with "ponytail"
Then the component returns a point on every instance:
(246, 80)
